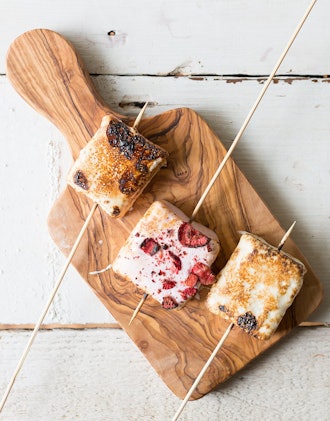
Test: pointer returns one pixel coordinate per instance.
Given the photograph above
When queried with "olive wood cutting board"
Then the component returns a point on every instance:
(46, 71)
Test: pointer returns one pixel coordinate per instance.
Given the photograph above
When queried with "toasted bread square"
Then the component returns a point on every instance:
(115, 166)
(256, 287)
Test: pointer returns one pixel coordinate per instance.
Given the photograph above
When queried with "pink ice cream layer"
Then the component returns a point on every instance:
(166, 256)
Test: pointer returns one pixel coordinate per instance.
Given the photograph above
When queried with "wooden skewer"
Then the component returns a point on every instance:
(286, 236)
(55, 289)
(202, 372)
(254, 107)
(240, 132)
(45, 311)
(219, 345)
(139, 117)
(137, 309)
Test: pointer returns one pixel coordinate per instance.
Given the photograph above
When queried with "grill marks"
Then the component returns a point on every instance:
(135, 148)
(132, 146)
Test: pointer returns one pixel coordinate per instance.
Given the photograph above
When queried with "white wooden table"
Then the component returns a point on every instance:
(212, 56)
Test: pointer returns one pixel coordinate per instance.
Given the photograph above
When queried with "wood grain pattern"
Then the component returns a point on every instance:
(48, 74)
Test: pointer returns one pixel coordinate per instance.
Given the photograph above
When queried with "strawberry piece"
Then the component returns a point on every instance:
(209, 280)
(150, 246)
(169, 303)
(188, 293)
(200, 269)
(176, 261)
(167, 284)
(204, 273)
(190, 237)
(191, 280)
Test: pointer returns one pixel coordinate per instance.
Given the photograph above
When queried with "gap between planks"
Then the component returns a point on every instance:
(82, 326)
(52, 326)
(240, 76)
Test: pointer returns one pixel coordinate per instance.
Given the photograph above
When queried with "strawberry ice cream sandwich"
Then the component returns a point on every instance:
(168, 256)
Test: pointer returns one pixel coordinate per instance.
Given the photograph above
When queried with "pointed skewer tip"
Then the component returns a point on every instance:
(139, 117)
(138, 307)
(286, 235)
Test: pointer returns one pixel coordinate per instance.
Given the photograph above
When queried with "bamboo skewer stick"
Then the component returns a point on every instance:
(219, 345)
(137, 309)
(240, 132)
(55, 289)
(253, 109)
(202, 372)
(139, 117)
(286, 236)
(45, 311)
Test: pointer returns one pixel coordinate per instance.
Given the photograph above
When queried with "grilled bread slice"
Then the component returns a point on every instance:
(257, 285)
(115, 166)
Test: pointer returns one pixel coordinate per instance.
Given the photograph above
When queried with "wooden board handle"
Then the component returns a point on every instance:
(48, 73)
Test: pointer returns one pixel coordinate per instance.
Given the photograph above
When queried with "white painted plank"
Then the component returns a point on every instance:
(33, 165)
(285, 154)
(190, 36)
(99, 375)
